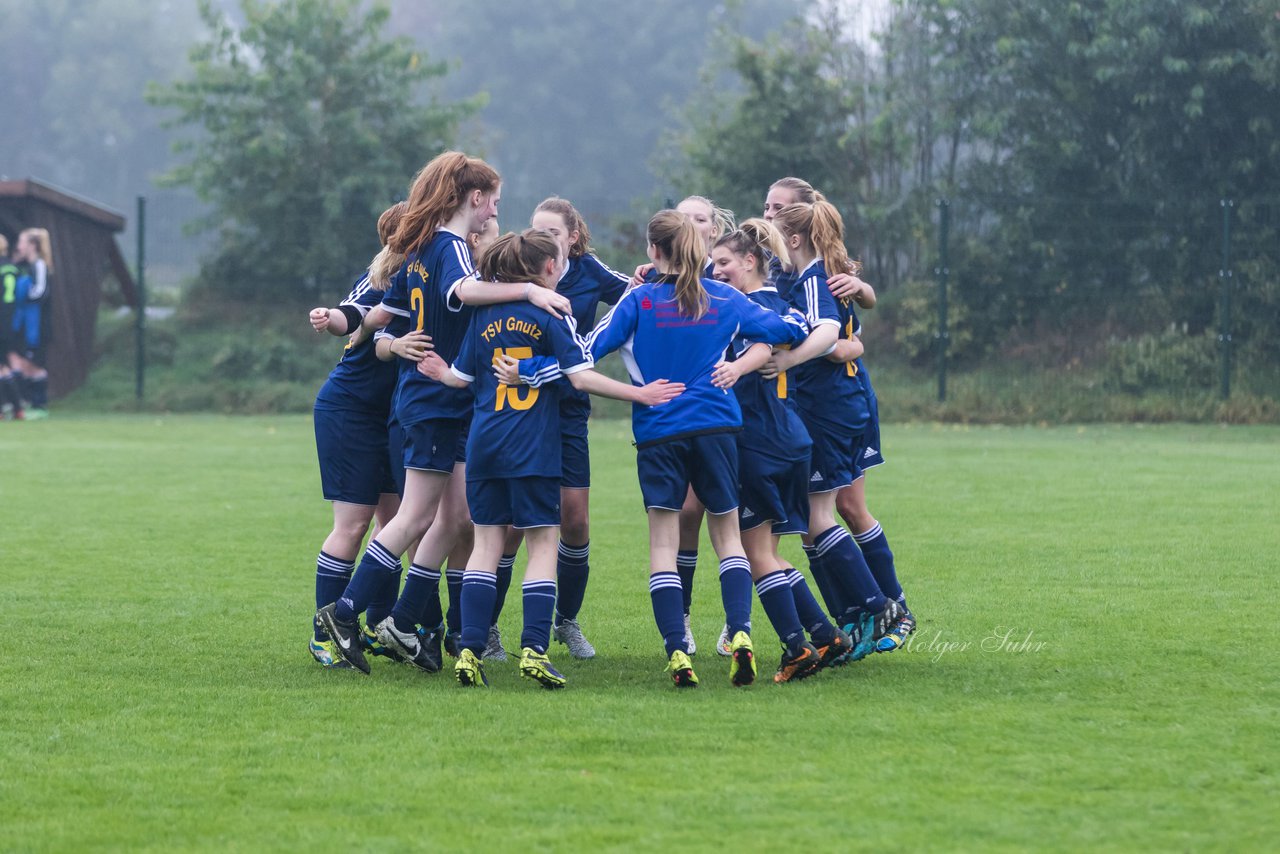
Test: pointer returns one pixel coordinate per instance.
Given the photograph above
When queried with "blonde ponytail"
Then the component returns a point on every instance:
(676, 238)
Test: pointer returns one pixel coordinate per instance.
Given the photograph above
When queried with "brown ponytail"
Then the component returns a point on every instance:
(820, 225)
(676, 239)
(438, 190)
(518, 257)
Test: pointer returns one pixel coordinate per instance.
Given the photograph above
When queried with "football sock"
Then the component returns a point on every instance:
(370, 576)
(539, 603)
(875, 549)
(735, 593)
(421, 583)
(479, 590)
(811, 615)
(818, 569)
(332, 577)
(664, 590)
(453, 617)
(505, 565)
(38, 392)
(686, 563)
(384, 598)
(572, 569)
(779, 606)
(850, 575)
(9, 392)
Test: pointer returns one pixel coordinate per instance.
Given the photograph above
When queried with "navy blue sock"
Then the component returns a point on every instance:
(421, 585)
(572, 568)
(821, 577)
(453, 617)
(38, 392)
(735, 593)
(418, 584)
(539, 604)
(9, 392)
(664, 590)
(479, 590)
(370, 576)
(505, 565)
(686, 563)
(384, 599)
(779, 606)
(875, 549)
(849, 572)
(332, 577)
(811, 615)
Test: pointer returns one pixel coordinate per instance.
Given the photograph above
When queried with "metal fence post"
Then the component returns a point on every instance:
(942, 271)
(140, 325)
(1224, 273)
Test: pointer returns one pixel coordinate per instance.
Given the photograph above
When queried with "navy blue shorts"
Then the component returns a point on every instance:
(773, 490)
(352, 448)
(525, 502)
(832, 461)
(395, 453)
(432, 445)
(866, 450)
(575, 461)
(460, 452)
(708, 463)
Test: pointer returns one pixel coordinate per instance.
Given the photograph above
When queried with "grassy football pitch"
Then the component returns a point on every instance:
(1096, 664)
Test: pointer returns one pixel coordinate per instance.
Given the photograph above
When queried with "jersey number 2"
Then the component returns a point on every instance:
(418, 304)
(508, 394)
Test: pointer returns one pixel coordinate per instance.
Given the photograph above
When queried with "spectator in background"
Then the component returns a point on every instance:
(26, 346)
(10, 399)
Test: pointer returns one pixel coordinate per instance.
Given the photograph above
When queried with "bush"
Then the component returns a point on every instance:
(912, 312)
(1168, 361)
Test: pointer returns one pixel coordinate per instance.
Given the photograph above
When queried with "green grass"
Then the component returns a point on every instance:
(157, 581)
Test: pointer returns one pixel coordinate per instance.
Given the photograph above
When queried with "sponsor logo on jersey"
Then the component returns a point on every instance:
(646, 303)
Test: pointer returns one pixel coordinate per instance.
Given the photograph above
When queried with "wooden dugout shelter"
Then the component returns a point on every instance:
(84, 252)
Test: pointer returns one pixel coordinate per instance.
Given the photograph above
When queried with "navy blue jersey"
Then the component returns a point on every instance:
(770, 424)
(360, 380)
(659, 342)
(586, 283)
(779, 278)
(427, 295)
(828, 394)
(516, 429)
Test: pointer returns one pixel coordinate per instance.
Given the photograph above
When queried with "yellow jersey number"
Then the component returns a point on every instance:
(418, 304)
(512, 395)
(851, 367)
(782, 376)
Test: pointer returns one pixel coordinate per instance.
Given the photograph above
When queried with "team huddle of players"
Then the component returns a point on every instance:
(457, 419)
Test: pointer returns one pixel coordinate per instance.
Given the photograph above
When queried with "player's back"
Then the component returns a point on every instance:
(515, 429)
(425, 294)
(771, 424)
(827, 392)
(360, 380)
(658, 340)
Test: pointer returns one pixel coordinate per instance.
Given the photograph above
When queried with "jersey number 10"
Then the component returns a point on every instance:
(508, 394)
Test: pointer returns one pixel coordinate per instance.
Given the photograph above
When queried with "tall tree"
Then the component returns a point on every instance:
(314, 121)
